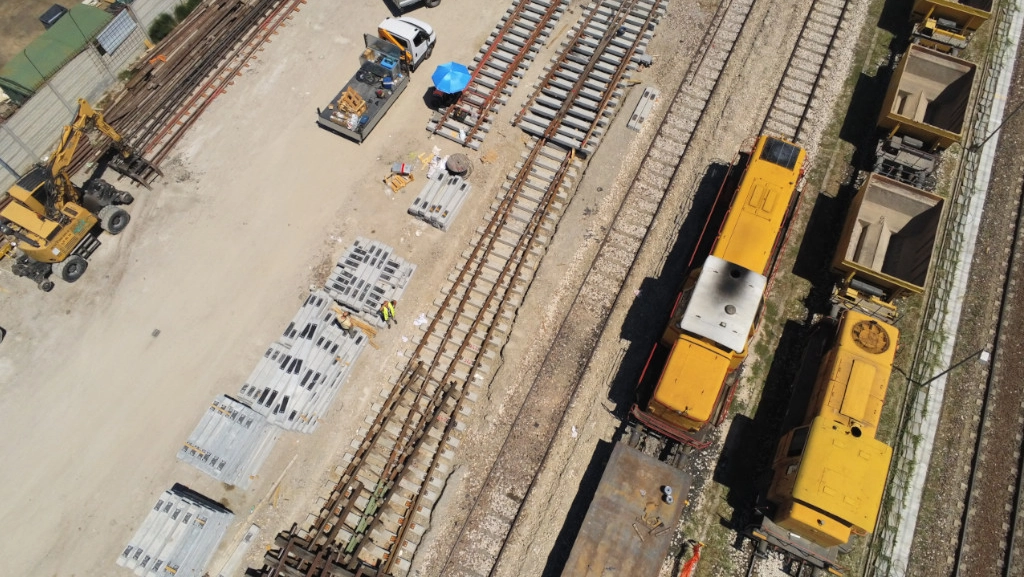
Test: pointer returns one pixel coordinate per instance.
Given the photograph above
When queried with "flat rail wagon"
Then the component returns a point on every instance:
(631, 521)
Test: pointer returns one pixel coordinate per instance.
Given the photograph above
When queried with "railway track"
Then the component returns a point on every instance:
(795, 94)
(495, 509)
(501, 63)
(990, 539)
(602, 49)
(382, 503)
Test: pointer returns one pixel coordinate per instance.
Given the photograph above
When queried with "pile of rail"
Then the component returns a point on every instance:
(377, 512)
(440, 200)
(367, 276)
(230, 442)
(186, 71)
(178, 537)
(502, 61)
(300, 374)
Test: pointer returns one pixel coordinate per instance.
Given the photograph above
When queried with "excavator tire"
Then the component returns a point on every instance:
(71, 269)
(432, 3)
(46, 285)
(113, 219)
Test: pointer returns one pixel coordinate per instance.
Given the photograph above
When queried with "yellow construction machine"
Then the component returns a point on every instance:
(50, 223)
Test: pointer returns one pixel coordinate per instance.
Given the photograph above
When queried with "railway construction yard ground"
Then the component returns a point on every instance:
(102, 381)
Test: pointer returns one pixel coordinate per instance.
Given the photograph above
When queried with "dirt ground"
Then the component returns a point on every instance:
(20, 25)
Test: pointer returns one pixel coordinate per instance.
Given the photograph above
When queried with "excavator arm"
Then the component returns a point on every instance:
(124, 159)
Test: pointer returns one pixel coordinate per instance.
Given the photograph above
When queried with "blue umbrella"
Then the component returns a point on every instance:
(451, 77)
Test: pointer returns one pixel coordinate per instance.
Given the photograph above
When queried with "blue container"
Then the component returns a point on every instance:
(388, 82)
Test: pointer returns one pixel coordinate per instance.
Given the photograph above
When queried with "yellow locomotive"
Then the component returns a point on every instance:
(829, 473)
(718, 309)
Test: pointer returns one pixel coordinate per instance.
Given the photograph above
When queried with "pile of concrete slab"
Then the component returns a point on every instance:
(300, 374)
(230, 442)
(367, 275)
(440, 200)
(178, 537)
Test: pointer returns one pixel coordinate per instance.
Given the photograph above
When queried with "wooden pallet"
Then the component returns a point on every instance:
(398, 181)
(351, 102)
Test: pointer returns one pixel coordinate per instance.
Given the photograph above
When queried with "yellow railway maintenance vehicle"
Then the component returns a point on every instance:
(52, 221)
(829, 473)
(717, 311)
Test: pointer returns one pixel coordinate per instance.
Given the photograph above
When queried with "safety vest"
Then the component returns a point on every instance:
(387, 311)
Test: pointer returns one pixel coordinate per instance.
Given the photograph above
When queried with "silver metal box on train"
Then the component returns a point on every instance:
(928, 97)
(889, 236)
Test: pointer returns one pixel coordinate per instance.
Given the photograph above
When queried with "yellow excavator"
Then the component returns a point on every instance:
(51, 224)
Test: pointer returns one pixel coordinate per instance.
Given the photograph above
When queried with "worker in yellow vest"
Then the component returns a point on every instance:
(387, 312)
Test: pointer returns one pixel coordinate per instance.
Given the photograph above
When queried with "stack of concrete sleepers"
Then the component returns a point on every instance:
(440, 200)
(178, 537)
(368, 274)
(230, 442)
(300, 374)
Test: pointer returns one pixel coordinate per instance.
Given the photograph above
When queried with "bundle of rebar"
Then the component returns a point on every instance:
(184, 72)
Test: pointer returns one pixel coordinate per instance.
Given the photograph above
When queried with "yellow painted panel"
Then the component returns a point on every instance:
(29, 220)
(691, 382)
(843, 474)
(811, 525)
(855, 401)
(754, 223)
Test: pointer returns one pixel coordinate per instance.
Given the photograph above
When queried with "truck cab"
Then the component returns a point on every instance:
(414, 37)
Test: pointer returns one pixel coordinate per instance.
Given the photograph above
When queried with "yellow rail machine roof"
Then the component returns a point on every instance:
(765, 193)
(717, 322)
(834, 488)
(854, 378)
